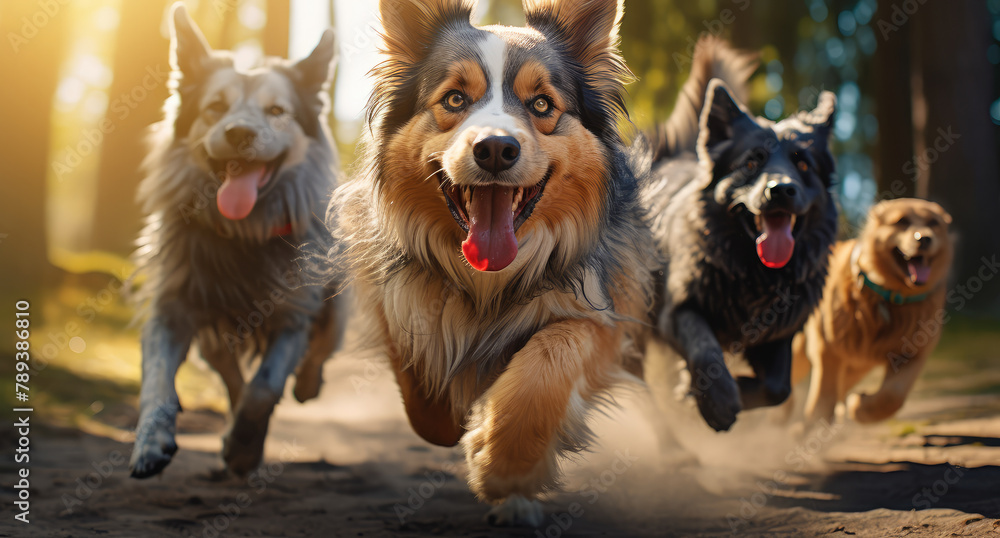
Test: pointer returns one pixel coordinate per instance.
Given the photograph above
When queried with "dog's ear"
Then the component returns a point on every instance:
(945, 216)
(316, 70)
(189, 51)
(721, 118)
(410, 25)
(588, 29)
(822, 117)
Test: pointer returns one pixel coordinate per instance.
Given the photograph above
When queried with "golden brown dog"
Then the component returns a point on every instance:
(882, 306)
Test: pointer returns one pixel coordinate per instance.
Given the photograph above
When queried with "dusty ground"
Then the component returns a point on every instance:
(348, 465)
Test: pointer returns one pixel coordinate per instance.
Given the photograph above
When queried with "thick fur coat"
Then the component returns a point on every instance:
(506, 354)
(237, 176)
(741, 212)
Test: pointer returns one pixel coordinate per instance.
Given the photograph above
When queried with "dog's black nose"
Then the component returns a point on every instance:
(924, 240)
(496, 153)
(782, 192)
(240, 135)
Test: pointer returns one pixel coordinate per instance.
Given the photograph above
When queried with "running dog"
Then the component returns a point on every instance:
(741, 211)
(238, 171)
(882, 307)
(495, 235)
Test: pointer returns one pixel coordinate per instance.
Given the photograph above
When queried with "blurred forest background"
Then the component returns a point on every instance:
(917, 82)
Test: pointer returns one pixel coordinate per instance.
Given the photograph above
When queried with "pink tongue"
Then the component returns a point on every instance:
(776, 245)
(238, 192)
(491, 245)
(919, 272)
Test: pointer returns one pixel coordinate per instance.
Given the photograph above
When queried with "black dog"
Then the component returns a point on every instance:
(741, 212)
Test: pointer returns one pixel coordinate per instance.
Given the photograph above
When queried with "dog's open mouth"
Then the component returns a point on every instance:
(775, 233)
(242, 182)
(918, 268)
(491, 214)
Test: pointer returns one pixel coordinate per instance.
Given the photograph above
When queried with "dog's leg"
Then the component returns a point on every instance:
(243, 446)
(536, 409)
(824, 386)
(660, 407)
(227, 363)
(328, 332)
(898, 381)
(433, 419)
(712, 385)
(852, 376)
(163, 350)
(772, 366)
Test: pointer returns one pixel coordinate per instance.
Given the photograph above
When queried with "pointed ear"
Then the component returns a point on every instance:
(944, 214)
(822, 117)
(411, 25)
(720, 118)
(188, 48)
(316, 70)
(588, 27)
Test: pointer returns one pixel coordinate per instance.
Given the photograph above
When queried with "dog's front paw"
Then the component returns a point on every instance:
(856, 409)
(516, 511)
(717, 395)
(153, 450)
(243, 447)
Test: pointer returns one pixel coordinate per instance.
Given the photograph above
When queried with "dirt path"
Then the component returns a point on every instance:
(348, 465)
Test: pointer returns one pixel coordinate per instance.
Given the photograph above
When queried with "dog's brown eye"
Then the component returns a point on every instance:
(541, 106)
(276, 110)
(455, 101)
(751, 166)
(803, 166)
(903, 221)
(933, 223)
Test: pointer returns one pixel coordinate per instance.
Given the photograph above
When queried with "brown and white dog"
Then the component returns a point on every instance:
(495, 237)
(882, 307)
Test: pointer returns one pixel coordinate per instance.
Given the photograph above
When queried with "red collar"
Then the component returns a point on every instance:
(282, 231)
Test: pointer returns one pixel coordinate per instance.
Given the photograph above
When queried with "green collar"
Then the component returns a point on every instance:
(887, 295)
(893, 297)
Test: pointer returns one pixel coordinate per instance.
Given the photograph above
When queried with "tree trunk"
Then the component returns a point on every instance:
(957, 83)
(135, 100)
(31, 65)
(892, 76)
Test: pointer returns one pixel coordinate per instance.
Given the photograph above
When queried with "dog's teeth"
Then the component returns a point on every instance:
(792, 225)
(518, 196)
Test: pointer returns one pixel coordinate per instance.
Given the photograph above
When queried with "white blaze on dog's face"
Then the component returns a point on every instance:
(907, 242)
(494, 134)
(246, 126)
